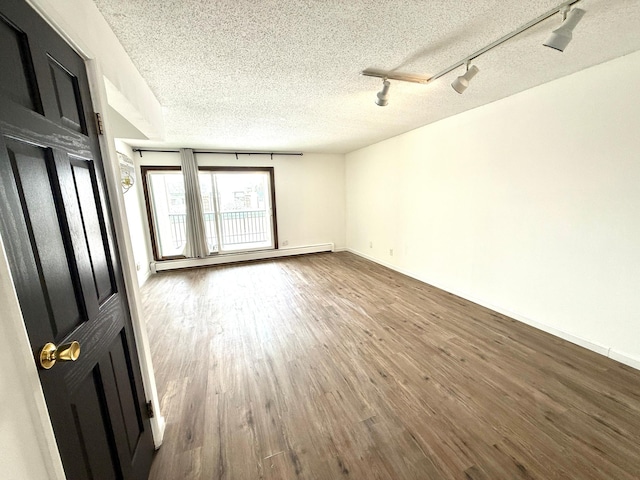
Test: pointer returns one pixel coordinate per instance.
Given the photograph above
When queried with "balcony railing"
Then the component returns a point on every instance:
(239, 227)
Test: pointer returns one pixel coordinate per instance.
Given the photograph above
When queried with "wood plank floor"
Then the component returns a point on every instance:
(328, 366)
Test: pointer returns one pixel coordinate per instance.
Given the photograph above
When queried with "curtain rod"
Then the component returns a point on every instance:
(218, 152)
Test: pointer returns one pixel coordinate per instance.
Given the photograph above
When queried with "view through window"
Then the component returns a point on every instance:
(237, 207)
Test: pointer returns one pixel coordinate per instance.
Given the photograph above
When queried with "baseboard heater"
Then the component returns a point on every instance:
(238, 257)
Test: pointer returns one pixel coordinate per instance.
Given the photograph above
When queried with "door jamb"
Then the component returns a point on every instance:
(123, 237)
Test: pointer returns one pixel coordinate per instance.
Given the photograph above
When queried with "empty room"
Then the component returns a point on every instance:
(320, 239)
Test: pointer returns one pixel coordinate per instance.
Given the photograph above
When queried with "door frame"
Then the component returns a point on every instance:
(24, 375)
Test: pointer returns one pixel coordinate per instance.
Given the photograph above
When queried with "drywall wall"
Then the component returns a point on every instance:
(25, 428)
(528, 205)
(136, 217)
(310, 192)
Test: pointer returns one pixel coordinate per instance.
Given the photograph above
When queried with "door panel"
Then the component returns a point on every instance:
(30, 167)
(22, 257)
(117, 376)
(17, 80)
(60, 244)
(94, 228)
(99, 458)
(67, 95)
(131, 416)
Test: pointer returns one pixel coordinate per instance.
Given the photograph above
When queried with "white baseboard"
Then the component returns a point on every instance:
(239, 257)
(158, 426)
(621, 357)
(629, 360)
(142, 279)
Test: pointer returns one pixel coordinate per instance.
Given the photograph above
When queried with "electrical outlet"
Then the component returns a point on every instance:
(370, 244)
(285, 243)
(391, 252)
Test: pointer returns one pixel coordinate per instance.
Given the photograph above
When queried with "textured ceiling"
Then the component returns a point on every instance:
(284, 74)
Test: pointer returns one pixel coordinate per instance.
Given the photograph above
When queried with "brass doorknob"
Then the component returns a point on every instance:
(50, 354)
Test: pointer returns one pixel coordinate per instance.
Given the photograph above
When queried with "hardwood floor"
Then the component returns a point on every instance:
(328, 366)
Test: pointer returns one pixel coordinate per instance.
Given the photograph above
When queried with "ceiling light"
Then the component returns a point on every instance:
(383, 95)
(461, 83)
(559, 39)
(561, 36)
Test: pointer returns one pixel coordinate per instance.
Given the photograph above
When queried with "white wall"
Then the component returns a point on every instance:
(136, 217)
(529, 205)
(310, 192)
(24, 426)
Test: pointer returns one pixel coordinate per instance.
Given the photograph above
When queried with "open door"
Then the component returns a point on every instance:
(61, 247)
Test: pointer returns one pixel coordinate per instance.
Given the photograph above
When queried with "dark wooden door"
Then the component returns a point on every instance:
(59, 239)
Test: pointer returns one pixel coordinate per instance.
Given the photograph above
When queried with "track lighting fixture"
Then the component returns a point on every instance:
(461, 83)
(383, 95)
(561, 36)
(559, 39)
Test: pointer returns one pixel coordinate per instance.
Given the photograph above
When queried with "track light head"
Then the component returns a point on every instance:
(383, 95)
(561, 36)
(461, 83)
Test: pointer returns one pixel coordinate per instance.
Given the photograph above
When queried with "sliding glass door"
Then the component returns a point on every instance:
(168, 208)
(238, 206)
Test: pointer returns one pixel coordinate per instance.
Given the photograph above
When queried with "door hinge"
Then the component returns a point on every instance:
(150, 412)
(99, 124)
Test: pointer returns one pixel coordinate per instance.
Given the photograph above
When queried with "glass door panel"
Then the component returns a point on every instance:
(244, 210)
(169, 212)
(207, 193)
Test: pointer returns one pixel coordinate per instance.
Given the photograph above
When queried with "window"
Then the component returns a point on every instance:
(238, 207)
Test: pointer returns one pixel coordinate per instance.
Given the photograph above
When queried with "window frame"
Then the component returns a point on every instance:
(146, 169)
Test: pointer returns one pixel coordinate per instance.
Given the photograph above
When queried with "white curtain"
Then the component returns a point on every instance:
(196, 246)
